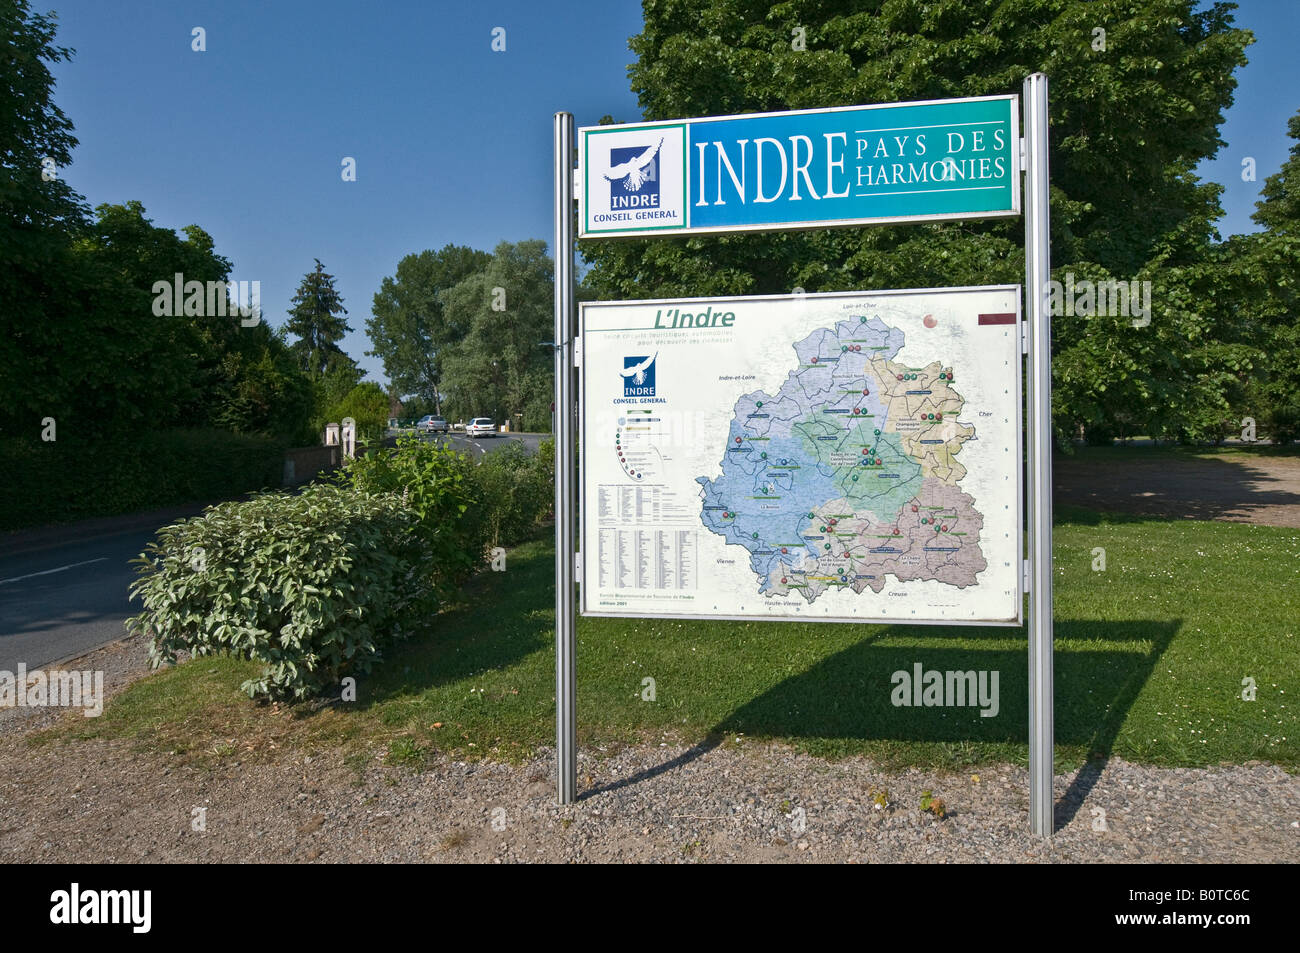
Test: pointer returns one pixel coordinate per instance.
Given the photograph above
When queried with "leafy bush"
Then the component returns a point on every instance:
(1282, 422)
(312, 585)
(74, 478)
(441, 491)
(463, 507)
(518, 490)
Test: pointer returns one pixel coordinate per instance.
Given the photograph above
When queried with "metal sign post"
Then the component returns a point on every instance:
(566, 619)
(1037, 272)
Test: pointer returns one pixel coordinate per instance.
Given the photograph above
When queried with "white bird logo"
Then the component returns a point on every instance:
(633, 171)
(637, 371)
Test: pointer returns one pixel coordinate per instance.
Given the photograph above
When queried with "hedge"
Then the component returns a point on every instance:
(72, 479)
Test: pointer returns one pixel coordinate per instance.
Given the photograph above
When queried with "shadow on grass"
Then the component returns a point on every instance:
(1166, 483)
(1101, 667)
(501, 618)
(1064, 514)
(1095, 687)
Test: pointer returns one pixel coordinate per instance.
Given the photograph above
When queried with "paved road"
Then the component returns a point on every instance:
(481, 446)
(67, 598)
(63, 590)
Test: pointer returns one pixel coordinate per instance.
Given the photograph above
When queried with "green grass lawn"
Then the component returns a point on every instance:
(1150, 657)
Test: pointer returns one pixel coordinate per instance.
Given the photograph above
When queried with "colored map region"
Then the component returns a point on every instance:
(849, 473)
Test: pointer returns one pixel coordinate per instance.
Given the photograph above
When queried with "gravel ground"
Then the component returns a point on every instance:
(121, 662)
(95, 801)
(103, 802)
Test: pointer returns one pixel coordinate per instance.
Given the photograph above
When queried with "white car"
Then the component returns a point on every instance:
(480, 427)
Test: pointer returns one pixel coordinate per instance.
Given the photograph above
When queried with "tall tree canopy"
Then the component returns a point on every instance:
(1131, 115)
(37, 207)
(408, 328)
(1267, 266)
(39, 213)
(499, 367)
(1278, 210)
(316, 317)
(79, 339)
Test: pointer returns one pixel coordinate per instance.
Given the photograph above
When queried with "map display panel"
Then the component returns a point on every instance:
(837, 457)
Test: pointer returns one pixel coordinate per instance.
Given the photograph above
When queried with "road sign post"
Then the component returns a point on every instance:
(1037, 272)
(566, 620)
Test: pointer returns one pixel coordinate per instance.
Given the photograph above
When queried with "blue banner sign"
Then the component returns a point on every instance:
(856, 165)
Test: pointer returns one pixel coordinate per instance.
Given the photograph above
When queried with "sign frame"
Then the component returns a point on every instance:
(584, 418)
(1032, 175)
(654, 231)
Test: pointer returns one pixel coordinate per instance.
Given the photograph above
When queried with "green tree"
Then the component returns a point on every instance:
(258, 388)
(39, 217)
(1269, 264)
(367, 404)
(140, 366)
(104, 361)
(408, 329)
(316, 317)
(1279, 208)
(111, 363)
(1128, 125)
(340, 377)
(78, 329)
(498, 367)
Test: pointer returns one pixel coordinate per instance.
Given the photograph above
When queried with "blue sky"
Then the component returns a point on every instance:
(452, 140)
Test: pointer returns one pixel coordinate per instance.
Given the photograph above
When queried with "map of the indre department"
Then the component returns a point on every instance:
(845, 457)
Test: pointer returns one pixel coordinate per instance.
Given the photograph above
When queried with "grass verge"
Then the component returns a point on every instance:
(1151, 655)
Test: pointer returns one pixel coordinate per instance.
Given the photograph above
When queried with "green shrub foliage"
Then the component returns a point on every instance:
(313, 586)
(518, 490)
(441, 492)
